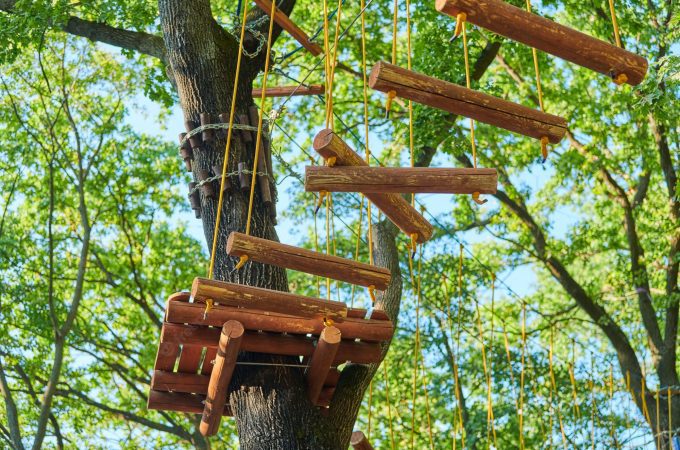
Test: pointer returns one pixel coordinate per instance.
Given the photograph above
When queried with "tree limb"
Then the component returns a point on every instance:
(10, 410)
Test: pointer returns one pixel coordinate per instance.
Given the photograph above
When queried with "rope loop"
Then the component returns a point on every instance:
(544, 147)
(241, 262)
(620, 79)
(461, 17)
(327, 321)
(371, 292)
(322, 195)
(208, 307)
(330, 162)
(388, 104)
(479, 201)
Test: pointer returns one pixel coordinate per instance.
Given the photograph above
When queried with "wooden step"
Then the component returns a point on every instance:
(375, 180)
(285, 91)
(466, 102)
(180, 402)
(544, 34)
(359, 441)
(394, 206)
(315, 263)
(244, 296)
(284, 22)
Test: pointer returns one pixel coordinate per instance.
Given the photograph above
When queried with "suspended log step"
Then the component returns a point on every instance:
(254, 298)
(402, 180)
(303, 260)
(322, 361)
(359, 441)
(285, 91)
(551, 37)
(395, 207)
(284, 22)
(466, 102)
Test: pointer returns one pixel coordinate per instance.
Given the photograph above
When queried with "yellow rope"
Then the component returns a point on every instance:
(389, 407)
(225, 164)
(410, 103)
(539, 91)
(489, 404)
(334, 62)
(553, 390)
(358, 241)
(458, 333)
(615, 24)
(328, 242)
(327, 62)
(392, 94)
(368, 153)
(521, 376)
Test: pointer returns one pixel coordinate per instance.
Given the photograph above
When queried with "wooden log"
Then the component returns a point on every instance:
(544, 34)
(359, 441)
(195, 199)
(321, 361)
(194, 140)
(185, 151)
(244, 296)
(180, 402)
(208, 135)
(460, 100)
(284, 22)
(207, 188)
(262, 180)
(271, 343)
(395, 207)
(189, 359)
(285, 91)
(351, 328)
(243, 177)
(308, 261)
(225, 362)
(166, 356)
(227, 187)
(400, 180)
(190, 383)
(245, 134)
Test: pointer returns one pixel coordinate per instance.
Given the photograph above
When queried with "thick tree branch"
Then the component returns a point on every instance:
(10, 411)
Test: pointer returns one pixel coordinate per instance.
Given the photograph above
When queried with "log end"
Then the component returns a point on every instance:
(233, 329)
(446, 7)
(323, 139)
(375, 73)
(230, 243)
(357, 438)
(330, 335)
(182, 296)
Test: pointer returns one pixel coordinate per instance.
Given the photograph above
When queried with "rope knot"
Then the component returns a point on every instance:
(322, 195)
(330, 162)
(388, 104)
(208, 307)
(620, 79)
(461, 17)
(241, 262)
(327, 321)
(479, 201)
(414, 244)
(544, 147)
(371, 292)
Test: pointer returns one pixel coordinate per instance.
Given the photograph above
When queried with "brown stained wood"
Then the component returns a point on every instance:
(321, 361)
(243, 177)
(226, 187)
(284, 22)
(180, 296)
(180, 402)
(246, 135)
(208, 135)
(207, 188)
(325, 397)
(251, 297)
(194, 140)
(190, 358)
(351, 328)
(195, 199)
(179, 382)
(166, 356)
(333, 376)
(460, 100)
(225, 362)
(551, 37)
(185, 151)
(358, 441)
(285, 91)
(403, 180)
(308, 261)
(262, 180)
(263, 342)
(395, 207)
(208, 360)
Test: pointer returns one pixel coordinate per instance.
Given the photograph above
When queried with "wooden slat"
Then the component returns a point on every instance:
(190, 358)
(321, 361)
(284, 22)
(402, 180)
(180, 402)
(225, 363)
(315, 263)
(272, 343)
(250, 297)
(190, 383)
(285, 91)
(395, 207)
(457, 99)
(351, 328)
(210, 354)
(544, 34)
(166, 356)
(359, 441)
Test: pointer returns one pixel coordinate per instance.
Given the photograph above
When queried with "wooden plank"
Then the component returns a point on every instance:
(190, 358)
(180, 402)
(460, 100)
(359, 441)
(284, 22)
(321, 361)
(351, 328)
(308, 261)
(271, 343)
(402, 180)
(394, 206)
(551, 37)
(250, 297)
(225, 363)
(191, 383)
(208, 359)
(285, 91)
(166, 356)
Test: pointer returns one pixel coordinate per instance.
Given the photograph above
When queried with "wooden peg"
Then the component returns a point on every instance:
(224, 118)
(522, 26)
(359, 441)
(285, 91)
(395, 207)
(254, 116)
(321, 361)
(208, 134)
(217, 170)
(194, 140)
(272, 212)
(207, 188)
(243, 177)
(195, 199)
(185, 151)
(284, 22)
(247, 135)
(225, 362)
(460, 100)
(263, 180)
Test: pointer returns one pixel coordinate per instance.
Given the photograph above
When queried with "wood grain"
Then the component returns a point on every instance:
(284, 22)
(551, 37)
(321, 361)
(285, 91)
(180, 402)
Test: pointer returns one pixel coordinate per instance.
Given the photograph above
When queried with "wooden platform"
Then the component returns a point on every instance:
(188, 351)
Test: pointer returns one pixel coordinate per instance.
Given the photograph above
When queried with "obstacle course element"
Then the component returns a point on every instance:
(395, 207)
(459, 100)
(373, 180)
(284, 22)
(285, 91)
(551, 37)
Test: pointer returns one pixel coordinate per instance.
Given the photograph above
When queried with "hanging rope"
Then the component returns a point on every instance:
(392, 94)
(389, 407)
(521, 375)
(539, 91)
(490, 428)
(553, 390)
(622, 77)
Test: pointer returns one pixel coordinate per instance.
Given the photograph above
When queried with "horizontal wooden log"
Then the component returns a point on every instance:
(284, 22)
(285, 91)
(169, 381)
(321, 361)
(225, 363)
(308, 261)
(180, 402)
(551, 37)
(403, 180)
(351, 328)
(166, 356)
(272, 343)
(241, 295)
(359, 441)
(189, 359)
(460, 100)
(394, 206)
